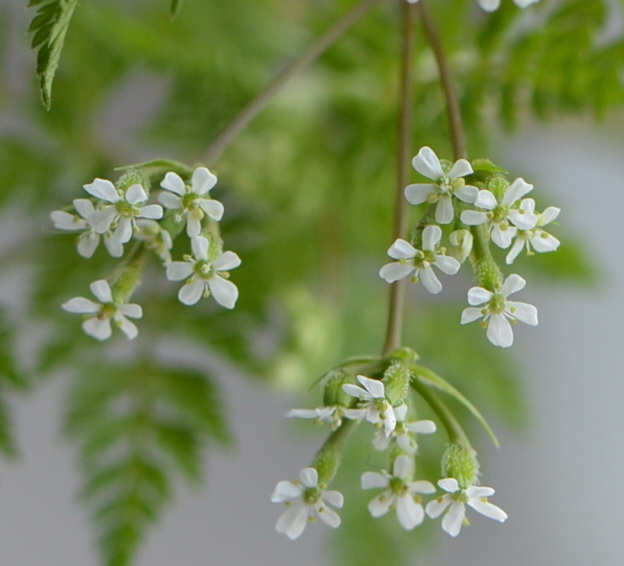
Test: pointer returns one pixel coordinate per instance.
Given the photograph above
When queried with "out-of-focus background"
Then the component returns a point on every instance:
(559, 477)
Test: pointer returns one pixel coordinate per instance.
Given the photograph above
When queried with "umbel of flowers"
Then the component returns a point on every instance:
(387, 399)
(123, 215)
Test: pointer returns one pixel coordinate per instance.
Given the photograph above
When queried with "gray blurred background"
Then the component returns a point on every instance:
(560, 482)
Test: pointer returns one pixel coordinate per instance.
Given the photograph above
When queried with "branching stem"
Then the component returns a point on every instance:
(247, 114)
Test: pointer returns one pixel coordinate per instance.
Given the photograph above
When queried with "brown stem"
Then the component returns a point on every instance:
(456, 125)
(396, 298)
(247, 114)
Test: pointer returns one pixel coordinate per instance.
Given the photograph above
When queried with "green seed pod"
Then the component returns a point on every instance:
(333, 393)
(498, 184)
(133, 177)
(489, 275)
(460, 462)
(396, 381)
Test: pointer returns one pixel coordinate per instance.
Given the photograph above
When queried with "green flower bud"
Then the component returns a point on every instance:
(460, 462)
(498, 184)
(133, 177)
(396, 381)
(333, 393)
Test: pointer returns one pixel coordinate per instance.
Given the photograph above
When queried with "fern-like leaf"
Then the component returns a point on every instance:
(139, 427)
(49, 27)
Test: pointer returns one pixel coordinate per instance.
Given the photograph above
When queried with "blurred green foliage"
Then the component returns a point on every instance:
(308, 190)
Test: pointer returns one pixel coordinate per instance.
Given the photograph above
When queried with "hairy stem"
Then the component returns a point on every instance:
(396, 298)
(456, 124)
(247, 114)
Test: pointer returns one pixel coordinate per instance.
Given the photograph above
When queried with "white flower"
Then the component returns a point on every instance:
(191, 201)
(89, 239)
(456, 500)
(536, 238)
(497, 311)
(155, 238)
(419, 261)
(205, 276)
(98, 316)
(122, 209)
(400, 492)
(447, 184)
(491, 5)
(499, 215)
(305, 500)
(373, 405)
(404, 432)
(332, 414)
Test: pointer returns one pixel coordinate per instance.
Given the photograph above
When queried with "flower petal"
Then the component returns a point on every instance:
(394, 271)
(102, 290)
(454, 518)
(418, 193)
(203, 180)
(329, 517)
(333, 497)
(513, 284)
(460, 168)
(502, 234)
(178, 270)
(479, 296)
(131, 309)
(374, 480)
(200, 246)
(467, 193)
(136, 194)
(403, 467)
(101, 220)
(515, 250)
(293, 521)
(499, 331)
(447, 264)
(470, 314)
(98, 328)
(373, 386)
(473, 217)
(285, 491)
(449, 484)
(421, 427)
(428, 164)
(444, 210)
(409, 513)
(544, 242)
(224, 291)
(153, 211)
(88, 243)
(170, 201)
(85, 208)
(226, 261)
(81, 305)
(523, 312)
(430, 280)
(191, 291)
(436, 506)
(431, 237)
(489, 5)
(103, 189)
(126, 326)
(174, 183)
(488, 509)
(63, 220)
(402, 249)
(516, 191)
(380, 505)
(309, 477)
(212, 208)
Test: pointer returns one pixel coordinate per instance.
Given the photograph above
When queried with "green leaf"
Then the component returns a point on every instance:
(429, 377)
(49, 27)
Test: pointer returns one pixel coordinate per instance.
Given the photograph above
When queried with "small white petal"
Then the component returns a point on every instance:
(302, 413)
(373, 386)
(428, 164)
(178, 270)
(333, 497)
(523, 219)
(473, 217)
(131, 309)
(203, 180)
(447, 264)
(488, 509)
(114, 247)
(356, 391)
(309, 477)
(285, 491)
(374, 480)
(544, 242)
(200, 246)
(99, 329)
(136, 194)
(392, 272)
(65, 221)
(403, 467)
(460, 168)
(467, 194)
(381, 504)
(431, 237)
(81, 305)
(470, 314)
(489, 5)
(479, 296)
(444, 210)
(224, 291)
(103, 189)
(499, 331)
(190, 293)
(123, 233)
(516, 191)
(226, 261)
(454, 519)
(437, 506)
(418, 193)
(153, 211)
(329, 517)
(174, 183)
(193, 226)
(85, 208)
(170, 201)
(102, 290)
(449, 484)
(515, 250)
(486, 199)
(409, 513)
(550, 214)
(293, 521)
(127, 327)
(401, 249)
(101, 220)
(212, 208)
(421, 427)
(88, 243)
(523, 312)
(430, 280)
(513, 284)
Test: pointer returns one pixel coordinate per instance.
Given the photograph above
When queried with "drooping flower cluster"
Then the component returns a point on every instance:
(119, 213)
(308, 499)
(490, 210)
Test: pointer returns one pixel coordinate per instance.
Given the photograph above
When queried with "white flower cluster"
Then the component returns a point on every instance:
(116, 215)
(510, 221)
(492, 5)
(306, 499)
